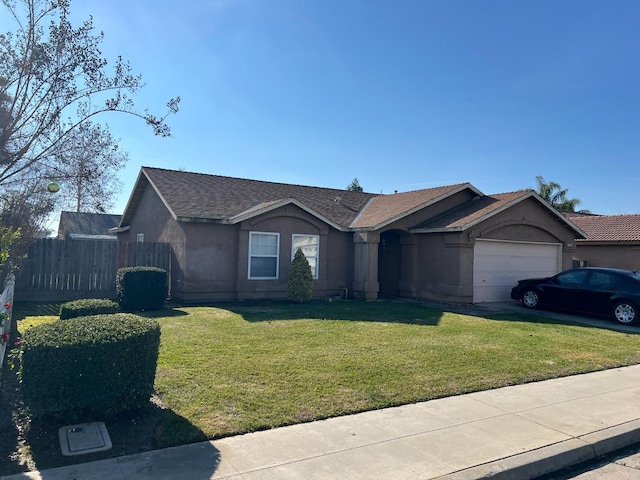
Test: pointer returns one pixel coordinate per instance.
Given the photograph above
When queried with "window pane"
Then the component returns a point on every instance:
(263, 255)
(300, 241)
(312, 263)
(263, 267)
(574, 277)
(264, 244)
(309, 246)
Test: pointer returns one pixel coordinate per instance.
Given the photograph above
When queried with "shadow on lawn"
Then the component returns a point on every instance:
(27, 444)
(344, 310)
(561, 318)
(34, 444)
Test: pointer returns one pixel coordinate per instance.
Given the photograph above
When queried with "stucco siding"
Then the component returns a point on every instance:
(625, 256)
(154, 221)
(444, 266)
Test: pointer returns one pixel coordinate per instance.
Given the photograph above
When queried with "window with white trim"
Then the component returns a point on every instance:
(310, 246)
(263, 255)
(140, 238)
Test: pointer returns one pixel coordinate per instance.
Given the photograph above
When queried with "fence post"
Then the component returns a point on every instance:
(6, 311)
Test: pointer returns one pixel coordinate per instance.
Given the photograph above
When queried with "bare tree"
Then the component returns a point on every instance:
(87, 168)
(53, 79)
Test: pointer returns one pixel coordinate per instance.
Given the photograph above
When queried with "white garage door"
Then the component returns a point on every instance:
(498, 265)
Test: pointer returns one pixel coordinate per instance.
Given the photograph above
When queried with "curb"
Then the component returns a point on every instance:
(552, 458)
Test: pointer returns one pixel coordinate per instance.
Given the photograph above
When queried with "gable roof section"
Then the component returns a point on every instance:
(481, 208)
(82, 223)
(197, 197)
(608, 228)
(385, 209)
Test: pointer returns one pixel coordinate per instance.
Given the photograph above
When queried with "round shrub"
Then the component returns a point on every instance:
(100, 364)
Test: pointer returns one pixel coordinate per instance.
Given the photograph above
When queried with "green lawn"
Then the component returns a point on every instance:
(244, 367)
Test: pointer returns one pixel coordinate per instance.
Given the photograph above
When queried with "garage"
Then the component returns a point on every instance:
(497, 265)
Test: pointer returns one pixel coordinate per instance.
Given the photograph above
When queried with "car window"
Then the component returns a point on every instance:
(572, 277)
(604, 280)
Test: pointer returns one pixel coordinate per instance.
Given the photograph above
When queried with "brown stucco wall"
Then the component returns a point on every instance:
(529, 221)
(440, 265)
(152, 218)
(210, 261)
(623, 255)
(217, 258)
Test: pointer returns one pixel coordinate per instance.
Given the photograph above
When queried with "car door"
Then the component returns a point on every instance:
(598, 291)
(566, 290)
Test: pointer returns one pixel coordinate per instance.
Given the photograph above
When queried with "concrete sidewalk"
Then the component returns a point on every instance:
(515, 432)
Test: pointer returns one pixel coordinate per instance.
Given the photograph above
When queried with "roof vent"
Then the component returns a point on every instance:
(337, 200)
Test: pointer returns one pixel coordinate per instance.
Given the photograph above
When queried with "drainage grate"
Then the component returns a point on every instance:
(84, 438)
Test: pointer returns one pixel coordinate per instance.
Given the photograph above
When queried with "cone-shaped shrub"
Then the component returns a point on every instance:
(300, 283)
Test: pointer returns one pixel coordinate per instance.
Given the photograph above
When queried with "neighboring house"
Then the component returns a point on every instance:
(82, 226)
(234, 239)
(612, 240)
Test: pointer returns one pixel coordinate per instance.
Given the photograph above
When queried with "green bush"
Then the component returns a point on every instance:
(141, 288)
(87, 306)
(102, 364)
(300, 282)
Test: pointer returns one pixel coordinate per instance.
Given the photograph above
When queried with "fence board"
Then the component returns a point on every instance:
(61, 270)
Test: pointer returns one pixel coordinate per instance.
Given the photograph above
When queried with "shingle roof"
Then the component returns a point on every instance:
(197, 196)
(385, 209)
(203, 197)
(481, 208)
(608, 228)
(212, 198)
(86, 223)
(473, 211)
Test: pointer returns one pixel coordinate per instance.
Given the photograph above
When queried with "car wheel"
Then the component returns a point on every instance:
(531, 299)
(625, 312)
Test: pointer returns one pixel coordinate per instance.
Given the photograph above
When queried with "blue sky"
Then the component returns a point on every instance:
(403, 94)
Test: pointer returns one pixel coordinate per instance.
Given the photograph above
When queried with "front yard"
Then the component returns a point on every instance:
(243, 367)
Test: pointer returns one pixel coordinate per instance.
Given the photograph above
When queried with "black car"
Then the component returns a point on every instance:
(600, 291)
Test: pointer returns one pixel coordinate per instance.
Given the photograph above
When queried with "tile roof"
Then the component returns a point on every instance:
(203, 197)
(87, 223)
(608, 228)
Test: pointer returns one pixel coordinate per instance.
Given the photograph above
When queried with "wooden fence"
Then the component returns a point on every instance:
(62, 270)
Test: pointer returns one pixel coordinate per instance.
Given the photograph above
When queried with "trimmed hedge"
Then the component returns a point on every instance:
(101, 364)
(141, 288)
(87, 306)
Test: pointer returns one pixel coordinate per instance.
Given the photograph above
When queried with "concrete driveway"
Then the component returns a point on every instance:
(517, 307)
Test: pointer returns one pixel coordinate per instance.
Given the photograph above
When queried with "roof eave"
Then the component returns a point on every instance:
(136, 194)
(501, 209)
(274, 206)
(413, 210)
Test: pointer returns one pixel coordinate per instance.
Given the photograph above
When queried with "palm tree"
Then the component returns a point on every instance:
(553, 193)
